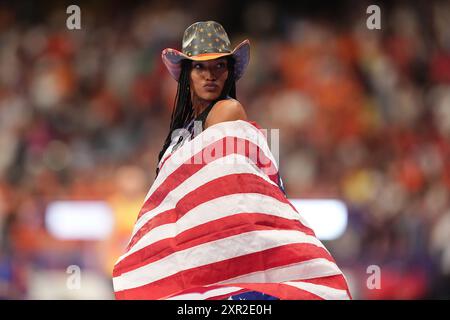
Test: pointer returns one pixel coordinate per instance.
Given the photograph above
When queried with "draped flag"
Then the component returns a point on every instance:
(216, 224)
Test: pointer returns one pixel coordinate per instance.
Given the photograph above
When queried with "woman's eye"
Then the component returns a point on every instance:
(220, 65)
(197, 66)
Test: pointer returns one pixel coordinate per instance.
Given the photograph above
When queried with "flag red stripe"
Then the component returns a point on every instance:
(253, 123)
(229, 226)
(223, 270)
(202, 290)
(337, 282)
(208, 242)
(224, 296)
(187, 169)
(279, 290)
(223, 186)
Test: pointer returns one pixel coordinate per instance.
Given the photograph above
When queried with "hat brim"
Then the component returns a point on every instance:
(241, 53)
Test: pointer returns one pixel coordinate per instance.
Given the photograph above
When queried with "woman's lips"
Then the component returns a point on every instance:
(211, 87)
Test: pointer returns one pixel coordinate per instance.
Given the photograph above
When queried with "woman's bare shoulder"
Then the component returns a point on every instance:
(225, 110)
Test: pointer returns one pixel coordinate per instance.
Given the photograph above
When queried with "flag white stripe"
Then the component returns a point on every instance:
(324, 292)
(205, 295)
(215, 209)
(210, 252)
(197, 258)
(237, 128)
(314, 268)
(214, 170)
(304, 270)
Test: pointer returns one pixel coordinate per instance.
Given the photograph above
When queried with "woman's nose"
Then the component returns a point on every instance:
(210, 74)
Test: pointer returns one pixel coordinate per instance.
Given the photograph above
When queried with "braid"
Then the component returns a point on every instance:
(230, 85)
(182, 110)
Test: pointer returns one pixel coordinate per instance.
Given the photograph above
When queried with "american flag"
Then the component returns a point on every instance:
(216, 224)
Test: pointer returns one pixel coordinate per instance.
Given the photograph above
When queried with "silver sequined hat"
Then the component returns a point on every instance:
(206, 40)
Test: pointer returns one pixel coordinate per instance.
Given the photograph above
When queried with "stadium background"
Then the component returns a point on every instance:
(364, 116)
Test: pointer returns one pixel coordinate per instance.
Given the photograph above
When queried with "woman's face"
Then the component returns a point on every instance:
(208, 78)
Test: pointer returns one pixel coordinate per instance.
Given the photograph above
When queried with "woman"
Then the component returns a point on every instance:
(206, 71)
(211, 230)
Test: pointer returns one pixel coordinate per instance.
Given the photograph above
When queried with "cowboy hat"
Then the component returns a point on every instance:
(206, 40)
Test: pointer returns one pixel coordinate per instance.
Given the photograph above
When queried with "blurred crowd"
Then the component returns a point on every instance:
(363, 116)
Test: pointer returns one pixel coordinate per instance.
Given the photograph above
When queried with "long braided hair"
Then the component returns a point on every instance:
(183, 110)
